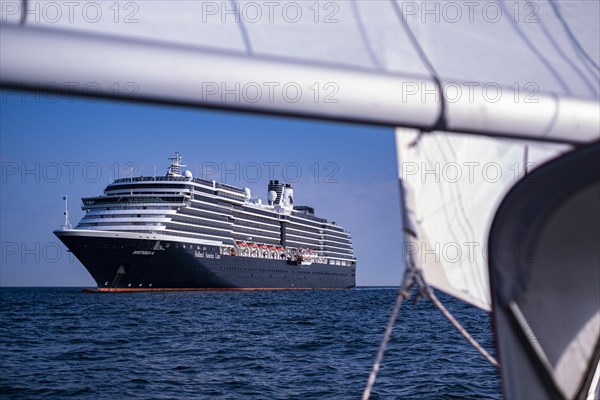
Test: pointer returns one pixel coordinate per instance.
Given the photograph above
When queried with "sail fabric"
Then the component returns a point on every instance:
(503, 43)
(456, 183)
(546, 296)
(527, 70)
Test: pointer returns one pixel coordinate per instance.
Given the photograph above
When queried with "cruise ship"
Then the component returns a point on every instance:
(179, 232)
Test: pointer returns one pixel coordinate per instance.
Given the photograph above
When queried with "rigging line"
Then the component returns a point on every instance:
(365, 37)
(526, 160)
(243, 31)
(533, 350)
(440, 124)
(23, 12)
(386, 338)
(413, 278)
(594, 381)
(532, 47)
(568, 59)
(409, 280)
(460, 328)
(437, 210)
(569, 32)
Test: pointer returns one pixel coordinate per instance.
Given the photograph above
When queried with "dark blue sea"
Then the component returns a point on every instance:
(64, 344)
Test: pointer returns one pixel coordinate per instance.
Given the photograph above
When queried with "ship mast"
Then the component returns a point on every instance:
(174, 169)
(66, 225)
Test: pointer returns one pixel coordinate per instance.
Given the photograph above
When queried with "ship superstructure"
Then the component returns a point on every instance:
(224, 237)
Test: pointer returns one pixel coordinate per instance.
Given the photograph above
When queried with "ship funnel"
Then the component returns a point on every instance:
(275, 186)
(288, 195)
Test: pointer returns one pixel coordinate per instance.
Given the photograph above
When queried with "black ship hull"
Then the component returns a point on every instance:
(148, 264)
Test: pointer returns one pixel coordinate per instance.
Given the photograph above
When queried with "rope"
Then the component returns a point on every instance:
(440, 124)
(413, 277)
(460, 328)
(409, 280)
(386, 338)
(23, 12)
(243, 30)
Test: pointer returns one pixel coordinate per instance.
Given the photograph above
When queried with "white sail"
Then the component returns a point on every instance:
(457, 183)
(531, 70)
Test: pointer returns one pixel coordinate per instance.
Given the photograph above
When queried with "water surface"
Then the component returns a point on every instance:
(62, 343)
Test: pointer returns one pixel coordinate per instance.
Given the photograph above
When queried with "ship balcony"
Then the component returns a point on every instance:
(145, 191)
(127, 220)
(156, 213)
(152, 179)
(124, 228)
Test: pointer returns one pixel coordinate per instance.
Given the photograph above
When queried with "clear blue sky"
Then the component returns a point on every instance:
(52, 145)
